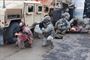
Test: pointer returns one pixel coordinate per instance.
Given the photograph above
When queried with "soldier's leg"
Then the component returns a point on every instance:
(58, 34)
(44, 41)
(22, 44)
(63, 32)
(44, 44)
(19, 43)
(50, 42)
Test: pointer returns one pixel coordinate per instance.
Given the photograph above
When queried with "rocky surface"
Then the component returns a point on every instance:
(71, 47)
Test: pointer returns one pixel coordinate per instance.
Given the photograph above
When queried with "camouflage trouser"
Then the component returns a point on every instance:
(61, 31)
(20, 43)
(44, 37)
(40, 36)
(44, 40)
(47, 42)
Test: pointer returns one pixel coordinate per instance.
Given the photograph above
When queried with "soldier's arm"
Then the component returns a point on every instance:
(68, 24)
(49, 28)
(71, 21)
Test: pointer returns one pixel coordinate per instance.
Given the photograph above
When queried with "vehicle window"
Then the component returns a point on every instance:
(30, 8)
(46, 9)
(40, 8)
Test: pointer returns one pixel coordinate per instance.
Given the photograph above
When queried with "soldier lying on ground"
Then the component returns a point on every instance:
(76, 25)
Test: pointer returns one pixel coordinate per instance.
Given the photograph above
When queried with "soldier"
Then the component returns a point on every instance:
(76, 25)
(49, 34)
(45, 30)
(62, 25)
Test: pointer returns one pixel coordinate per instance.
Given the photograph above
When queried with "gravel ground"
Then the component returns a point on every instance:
(71, 47)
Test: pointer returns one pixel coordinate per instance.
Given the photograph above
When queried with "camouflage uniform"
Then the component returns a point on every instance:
(46, 30)
(62, 25)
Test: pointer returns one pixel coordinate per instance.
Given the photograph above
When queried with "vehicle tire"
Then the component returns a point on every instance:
(13, 28)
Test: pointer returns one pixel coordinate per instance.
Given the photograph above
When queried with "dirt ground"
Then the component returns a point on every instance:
(71, 47)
